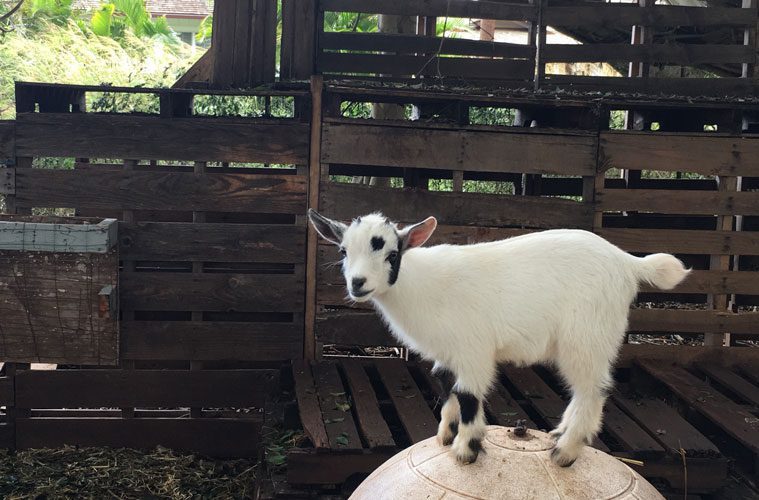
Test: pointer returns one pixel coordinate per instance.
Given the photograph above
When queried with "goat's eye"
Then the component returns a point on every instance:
(343, 251)
(392, 256)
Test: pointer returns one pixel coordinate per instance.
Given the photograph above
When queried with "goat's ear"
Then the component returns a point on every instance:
(329, 229)
(418, 234)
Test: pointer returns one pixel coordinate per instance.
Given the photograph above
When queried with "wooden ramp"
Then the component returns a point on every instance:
(358, 412)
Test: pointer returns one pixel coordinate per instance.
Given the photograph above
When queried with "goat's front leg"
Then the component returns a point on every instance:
(449, 413)
(470, 391)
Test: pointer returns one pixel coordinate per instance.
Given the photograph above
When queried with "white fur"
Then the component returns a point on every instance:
(558, 296)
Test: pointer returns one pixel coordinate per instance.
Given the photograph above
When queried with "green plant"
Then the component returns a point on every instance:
(113, 19)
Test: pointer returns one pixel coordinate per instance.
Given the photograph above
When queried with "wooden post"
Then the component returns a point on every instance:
(199, 168)
(538, 39)
(129, 267)
(749, 70)
(314, 171)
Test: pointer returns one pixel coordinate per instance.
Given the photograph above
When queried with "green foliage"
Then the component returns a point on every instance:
(54, 11)
(204, 30)
(349, 21)
(115, 18)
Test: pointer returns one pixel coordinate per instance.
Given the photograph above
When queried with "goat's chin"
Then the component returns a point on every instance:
(365, 298)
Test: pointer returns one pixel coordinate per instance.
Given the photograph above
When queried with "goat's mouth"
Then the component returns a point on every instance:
(360, 296)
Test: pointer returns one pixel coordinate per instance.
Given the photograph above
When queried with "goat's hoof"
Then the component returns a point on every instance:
(466, 452)
(561, 458)
(447, 433)
(556, 434)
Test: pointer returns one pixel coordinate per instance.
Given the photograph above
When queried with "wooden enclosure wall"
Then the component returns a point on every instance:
(211, 240)
(645, 38)
(680, 193)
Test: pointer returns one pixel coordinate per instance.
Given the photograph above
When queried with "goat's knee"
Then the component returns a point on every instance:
(449, 421)
(471, 430)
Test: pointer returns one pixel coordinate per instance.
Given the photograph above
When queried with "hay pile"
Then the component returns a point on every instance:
(102, 473)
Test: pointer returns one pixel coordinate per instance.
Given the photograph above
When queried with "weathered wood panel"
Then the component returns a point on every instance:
(678, 202)
(399, 65)
(470, 150)
(212, 242)
(140, 190)
(353, 328)
(308, 405)
(716, 282)
(683, 241)
(7, 140)
(702, 153)
(335, 408)
(221, 437)
(145, 388)
(79, 236)
(51, 309)
(679, 320)
(157, 291)
(687, 54)
(411, 44)
(434, 8)
(717, 87)
(368, 415)
(148, 137)
(406, 205)
(660, 16)
(210, 341)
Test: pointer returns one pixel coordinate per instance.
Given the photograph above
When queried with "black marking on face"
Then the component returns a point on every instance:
(378, 243)
(469, 404)
(395, 264)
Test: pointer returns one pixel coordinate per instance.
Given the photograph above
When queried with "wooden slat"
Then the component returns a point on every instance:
(220, 437)
(679, 320)
(212, 242)
(210, 341)
(398, 66)
(667, 426)
(335, 408)
(308, 405)
(717, 87)
(314, 186)
(140, 190)
(416, 417)
(504, 410)
(313, 467)
(370, 420)
(679, 202)
(733, 382)
(146, 137)
(716, 282)
(410, 44)
(352, 328)
(730, 417)
(146, 388)
(7, 139)
(687, 355)
(480, 151)
(660, 16)
(683, 241)
(348, 200)
(6, 391)
(434, 8)
(628, 434)
(211, 292)
(688, 54)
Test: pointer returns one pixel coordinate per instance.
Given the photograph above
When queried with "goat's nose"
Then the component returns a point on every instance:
(357, 283)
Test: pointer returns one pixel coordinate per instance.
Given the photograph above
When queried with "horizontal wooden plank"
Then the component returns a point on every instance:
(50, 236)
(151, 137)
(683, 241)
(410, 44)
(406, 65)
(7, 140)
(717, 282)
(210, 341)
(6, 391)
(278, 243)
(481, 151)
(140, 190)
(353, 328)
(733, 382)
(699, 153)
(157, 291)
(688, 355)
(695, 321)
(729, 416)
(143, 388)
(657, 16)
(627, 433)
(717, 87)
(217, 437)
(678, 202)
(405, 205)
(434, 8)
(655, 53)
(306, 466)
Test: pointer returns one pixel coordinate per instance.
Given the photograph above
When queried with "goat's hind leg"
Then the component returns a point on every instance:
(449, 413)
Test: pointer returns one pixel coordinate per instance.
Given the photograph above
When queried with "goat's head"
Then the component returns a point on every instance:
(372, 248)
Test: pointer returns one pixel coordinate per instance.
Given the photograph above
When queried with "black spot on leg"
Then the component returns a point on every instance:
(378, 243)
(469, 404)
(476, 446)
(454, 427)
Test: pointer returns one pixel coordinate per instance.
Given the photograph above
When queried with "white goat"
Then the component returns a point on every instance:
(558, 296)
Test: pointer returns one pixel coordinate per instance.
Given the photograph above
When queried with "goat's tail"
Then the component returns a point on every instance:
(662, 270)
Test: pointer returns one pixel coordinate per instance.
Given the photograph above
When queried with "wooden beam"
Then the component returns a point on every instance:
(314, 179)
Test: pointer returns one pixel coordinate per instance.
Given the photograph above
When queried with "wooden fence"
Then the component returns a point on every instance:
(219, 280)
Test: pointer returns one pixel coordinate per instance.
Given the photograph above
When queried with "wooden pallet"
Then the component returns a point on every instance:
(359, 412)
